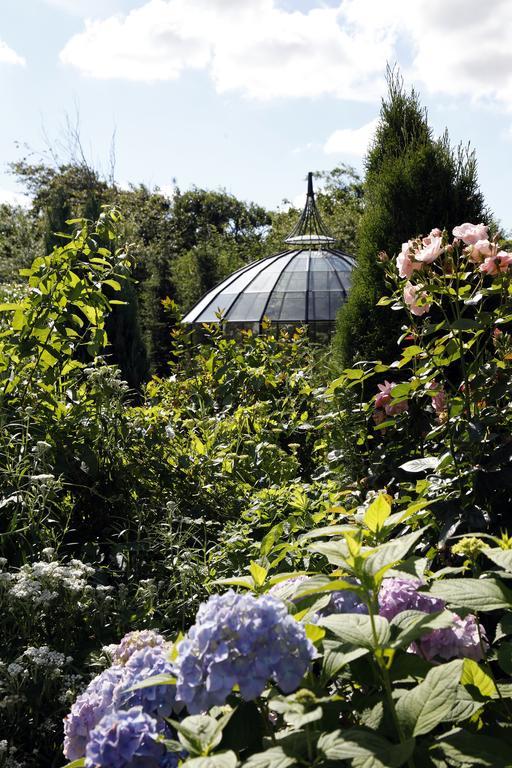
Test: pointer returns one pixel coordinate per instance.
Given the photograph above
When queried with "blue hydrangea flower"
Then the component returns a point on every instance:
(240, 639)
(125, 740)
(461, 640)
(134, 641)
(88, 709)
(157, 700)
(345, 601)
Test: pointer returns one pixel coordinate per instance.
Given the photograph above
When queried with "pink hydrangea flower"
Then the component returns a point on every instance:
(431, 250)
(471, 233)
(415, 299)
(405, 260)
(493, 265)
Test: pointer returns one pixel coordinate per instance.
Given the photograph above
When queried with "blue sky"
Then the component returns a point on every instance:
(249, 95)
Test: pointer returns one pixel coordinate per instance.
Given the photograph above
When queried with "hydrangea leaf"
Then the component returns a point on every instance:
(258, 573)
(226, 759)
(473, 594)
(415, 624)
(477, 749)
(199, 734)
(356, 629)
(336, 657)
(473, 674)
(422, 708)
(391, 552)
(502, 557)
(363, 746)
(149, 682)
(76, 763)
(275, 757)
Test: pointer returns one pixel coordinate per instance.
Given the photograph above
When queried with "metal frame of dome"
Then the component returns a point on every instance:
(304, 285)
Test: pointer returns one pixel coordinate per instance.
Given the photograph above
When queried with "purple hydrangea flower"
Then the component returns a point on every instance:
(460, 640)
(125, 740)
(156, 700)
(397, 595)
(134, 641)
(240, 639)
(88, 709)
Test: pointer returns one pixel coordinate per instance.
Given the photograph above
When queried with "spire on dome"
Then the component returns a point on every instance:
(310, 228)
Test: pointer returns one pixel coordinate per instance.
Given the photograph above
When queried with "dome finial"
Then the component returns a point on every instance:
(310, 228)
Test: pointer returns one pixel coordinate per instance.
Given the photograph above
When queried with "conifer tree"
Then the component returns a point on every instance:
(413, 183)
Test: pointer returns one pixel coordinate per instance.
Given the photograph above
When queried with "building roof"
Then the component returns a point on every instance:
(305, 284)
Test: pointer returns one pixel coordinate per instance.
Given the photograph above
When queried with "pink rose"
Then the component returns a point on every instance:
(433, 233)
(383, 400)
(439, 399)
(480, 250)
(383, 396)
(430, 252)
(493, 265)
(471, 233)
(405, 260)
(415, 299)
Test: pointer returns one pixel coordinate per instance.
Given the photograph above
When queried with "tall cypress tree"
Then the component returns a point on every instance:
(413, 183)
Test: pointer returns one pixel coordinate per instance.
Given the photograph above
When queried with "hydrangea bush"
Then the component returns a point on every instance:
(385, 650)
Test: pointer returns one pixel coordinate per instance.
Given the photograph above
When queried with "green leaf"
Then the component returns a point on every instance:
(334, 551)
(275, 757)
(336, 657)
(415, 624)
(314, 633)
(422, 708)
(356, 629)
(76, 763)
(502, 557)
(354, 374)
(463, 748)
(505, 657)
(358, 744)
(258, 573)
(420, 465)
(473, 594)
(473, 674)
(377, 513)
(226, 759)
(199, 734)
(10, 307)
(149, 682)
(391, 552)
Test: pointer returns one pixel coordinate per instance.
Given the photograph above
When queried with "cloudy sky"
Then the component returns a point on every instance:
(251, 94)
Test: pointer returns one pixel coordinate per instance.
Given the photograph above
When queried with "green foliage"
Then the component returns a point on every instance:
(413, 182)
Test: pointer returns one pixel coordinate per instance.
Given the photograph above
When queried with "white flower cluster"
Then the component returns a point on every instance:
(41, 658)
(42, 582)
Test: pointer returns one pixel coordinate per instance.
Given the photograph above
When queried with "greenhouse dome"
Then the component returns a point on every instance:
(303, 285)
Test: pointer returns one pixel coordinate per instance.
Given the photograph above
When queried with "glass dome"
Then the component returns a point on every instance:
(305, 285)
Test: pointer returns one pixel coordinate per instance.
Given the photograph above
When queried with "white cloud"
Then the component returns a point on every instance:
(459, 49)
(351, 141)
(8, 56)
(14, 198)
(252, 47)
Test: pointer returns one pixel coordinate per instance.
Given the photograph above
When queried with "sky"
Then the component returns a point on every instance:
(249, 95)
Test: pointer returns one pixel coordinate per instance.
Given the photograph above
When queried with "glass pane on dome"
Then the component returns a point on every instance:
(288, 306)
(248, 307)
(318, 305)
(266, 276)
